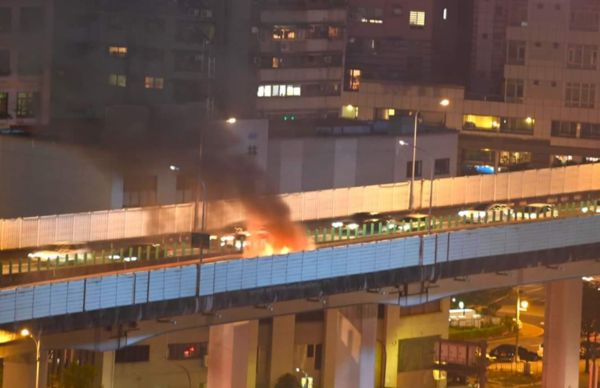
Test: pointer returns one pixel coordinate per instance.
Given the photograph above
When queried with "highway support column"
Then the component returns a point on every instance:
(282, 347)
(562, 332)
(19, 371)
(232, 351)
(350, 347)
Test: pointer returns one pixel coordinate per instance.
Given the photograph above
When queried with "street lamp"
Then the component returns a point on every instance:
(231, 120)
(25, 333)
(522, 305)
(403, 143)
(444, 103)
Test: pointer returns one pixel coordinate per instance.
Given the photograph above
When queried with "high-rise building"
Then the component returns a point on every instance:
(147, 53)
(411, 41)
(25, 54)
(531, 97)
(301, 58)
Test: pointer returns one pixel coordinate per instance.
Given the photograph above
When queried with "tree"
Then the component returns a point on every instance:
(590, 318)
(288, 380)
(74, 376)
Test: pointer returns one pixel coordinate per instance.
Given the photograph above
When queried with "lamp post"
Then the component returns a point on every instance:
(199, 182)
(444, 103)
(431, 176)
(522, 305)
(27, 334)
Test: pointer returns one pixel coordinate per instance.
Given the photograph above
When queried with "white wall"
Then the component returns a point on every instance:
(317, 163)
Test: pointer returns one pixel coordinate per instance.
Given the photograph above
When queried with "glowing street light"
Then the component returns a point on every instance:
(443, 103)
(26, 333)
(231, 120)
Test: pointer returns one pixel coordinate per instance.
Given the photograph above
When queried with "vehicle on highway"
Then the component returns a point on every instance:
(131, 253)
(487, 212)
(66, 251)
(594, 207)
(539, 210)
(506, 353)
(234, 237)
(413, 221)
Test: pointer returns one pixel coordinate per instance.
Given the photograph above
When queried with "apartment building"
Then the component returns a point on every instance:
(412, 41)
(547, 111)
(301, 58)
(25, 42)
(138, 52)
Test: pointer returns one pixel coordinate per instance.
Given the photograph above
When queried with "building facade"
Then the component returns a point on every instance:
(25, 59)
(547, 111)
(110, 53)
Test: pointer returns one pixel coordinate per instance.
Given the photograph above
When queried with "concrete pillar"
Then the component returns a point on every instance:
(562, 332)
(232, 355)
(350, 344)
(412, 325)
(282, 347)
(18, 371)
(106, 369)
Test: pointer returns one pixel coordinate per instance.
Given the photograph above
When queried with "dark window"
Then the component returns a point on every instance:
(318, 356)
(139, 190)
(155, 25)
(310, 351)
(590, 131)
(185, 185)
(418, 169)
(4, 62)
(187, 91)
(564, 129)
(138, 353)
(187, 351)
(4, 105)
(5, 19)
(32, 19)
(26, 104)
(442, 166)
(416, 353)
(30, 62)
(192, 61)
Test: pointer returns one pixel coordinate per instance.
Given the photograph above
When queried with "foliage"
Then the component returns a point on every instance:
(288, 380)
(74, 376)
(590, 314)
(473, 333)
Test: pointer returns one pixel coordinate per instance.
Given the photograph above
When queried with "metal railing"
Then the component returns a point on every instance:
(181, 249)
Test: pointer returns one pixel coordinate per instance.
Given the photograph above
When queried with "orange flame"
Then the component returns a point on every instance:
(274, 239)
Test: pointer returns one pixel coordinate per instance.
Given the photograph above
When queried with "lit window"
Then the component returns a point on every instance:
(276, 62)
(117, 51)
(353, 79)
(480, 122)
(283, 33)
(445, 14)
(416, 19)
(118, 80)
(154, 82)
(26, 102)
(279, 91)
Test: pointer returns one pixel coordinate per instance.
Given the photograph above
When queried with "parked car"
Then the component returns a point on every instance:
(539, 210)
(487, 212)
(66, 251)
(506, 353)
(594, 207)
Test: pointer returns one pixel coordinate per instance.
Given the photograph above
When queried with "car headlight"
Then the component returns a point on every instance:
(337, 224)
(585, 209)
(352, 226)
